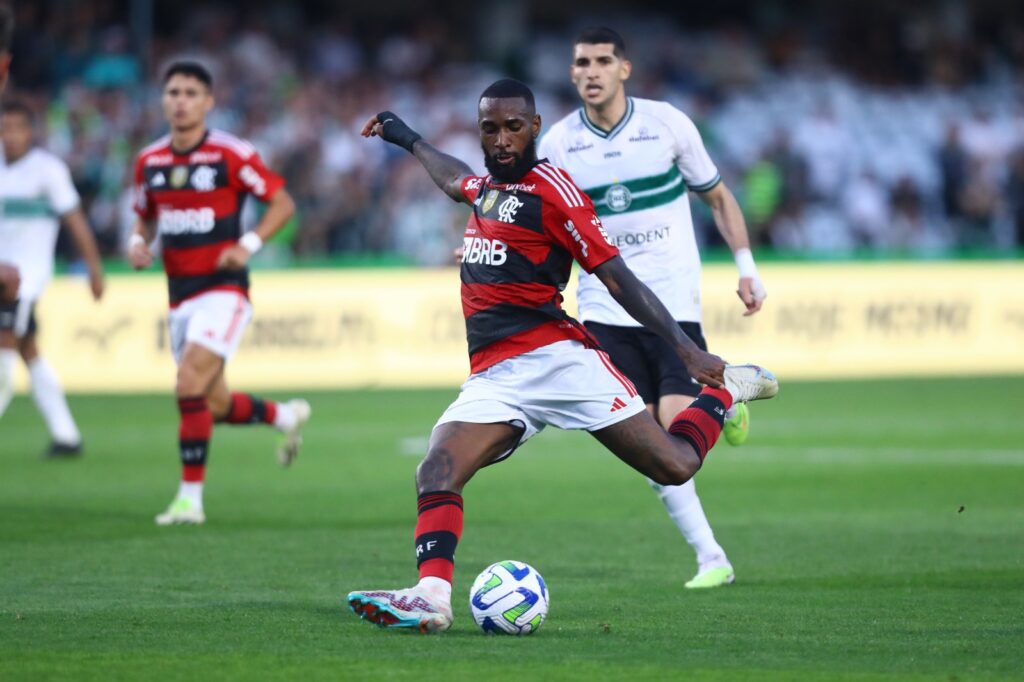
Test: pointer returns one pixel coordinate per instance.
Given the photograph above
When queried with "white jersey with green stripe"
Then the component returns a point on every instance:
(35, 191)
(637, 174)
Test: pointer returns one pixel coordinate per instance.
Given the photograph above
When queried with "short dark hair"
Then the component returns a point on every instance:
(602, 35)
(18, 107)
(6, 28)
(193, 69)
(508, 88)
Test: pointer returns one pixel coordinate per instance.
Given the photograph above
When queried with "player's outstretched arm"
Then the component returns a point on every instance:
(446, 171)
(733, 228)
(85, 242)
(640, 302)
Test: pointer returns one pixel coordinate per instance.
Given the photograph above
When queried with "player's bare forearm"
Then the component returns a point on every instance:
(728, 216)
(85, 241)
(640, 302)
(280, 210)
(445, 170)
(144, 228)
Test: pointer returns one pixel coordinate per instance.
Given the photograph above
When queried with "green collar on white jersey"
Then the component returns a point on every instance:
(618, 126)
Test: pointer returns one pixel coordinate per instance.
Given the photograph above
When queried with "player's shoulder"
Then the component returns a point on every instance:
(660, 111)
(221, 139)
(158, 145)
(38, 157)
(555, 185)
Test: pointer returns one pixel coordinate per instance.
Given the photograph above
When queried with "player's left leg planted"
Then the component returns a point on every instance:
(196, 372)
(8, 352)
(48, 394)
(457, 450)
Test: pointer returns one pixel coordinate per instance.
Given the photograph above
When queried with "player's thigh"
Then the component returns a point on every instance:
(219, 322)
(458, 450)
(640, 442)
(28, 348)
(626, 348)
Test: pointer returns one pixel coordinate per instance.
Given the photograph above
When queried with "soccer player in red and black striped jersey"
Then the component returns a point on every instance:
(532, 365)
(189, 189)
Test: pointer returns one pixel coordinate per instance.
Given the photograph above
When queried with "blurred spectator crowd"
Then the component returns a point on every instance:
(906, 137)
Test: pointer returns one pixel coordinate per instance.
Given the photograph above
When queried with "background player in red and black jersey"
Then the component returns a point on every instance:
(190, 186)
(532, 365)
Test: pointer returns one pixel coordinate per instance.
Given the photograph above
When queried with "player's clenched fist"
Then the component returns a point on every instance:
(139, 255)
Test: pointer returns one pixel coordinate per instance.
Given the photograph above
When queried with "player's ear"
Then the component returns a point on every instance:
(536, 126)
(210, 104)
(626, 69)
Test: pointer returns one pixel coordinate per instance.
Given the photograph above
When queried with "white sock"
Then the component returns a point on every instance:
(49, 397)
(684, 507)
(285, 418)
(192, 491)
(437, 587)
(8, 356)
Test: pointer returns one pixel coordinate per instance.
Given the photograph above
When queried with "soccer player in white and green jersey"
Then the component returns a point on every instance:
(36, 196)
(638, 160)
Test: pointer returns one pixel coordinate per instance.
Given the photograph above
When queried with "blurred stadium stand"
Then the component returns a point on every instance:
(845, 128)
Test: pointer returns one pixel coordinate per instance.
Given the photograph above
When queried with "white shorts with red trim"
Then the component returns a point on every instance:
(215, 320)
(563, 384)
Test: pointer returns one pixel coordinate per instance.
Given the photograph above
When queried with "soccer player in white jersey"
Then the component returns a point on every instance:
(638, 159)
(10, 280)
(37, 195)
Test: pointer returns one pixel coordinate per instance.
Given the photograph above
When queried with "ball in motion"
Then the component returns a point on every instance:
(509, 597)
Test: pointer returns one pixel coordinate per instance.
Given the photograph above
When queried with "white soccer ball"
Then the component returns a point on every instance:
(509, 597)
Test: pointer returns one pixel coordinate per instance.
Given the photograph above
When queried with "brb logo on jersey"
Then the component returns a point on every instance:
(187, 221)
(507, 210)
(483, 250)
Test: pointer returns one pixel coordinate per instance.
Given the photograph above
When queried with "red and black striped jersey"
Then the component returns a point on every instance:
(195, 196)
(519, 246)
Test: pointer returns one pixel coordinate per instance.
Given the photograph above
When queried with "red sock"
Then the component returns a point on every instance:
(194, 432)
(438, 529)
(248, 409)
(700, 424)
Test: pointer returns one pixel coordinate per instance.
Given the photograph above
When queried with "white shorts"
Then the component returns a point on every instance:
(215, 320)
(564, 384)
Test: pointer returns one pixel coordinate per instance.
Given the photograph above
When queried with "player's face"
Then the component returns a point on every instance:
(17, 134)
(186, 102)
(597, 73)
(508, 130)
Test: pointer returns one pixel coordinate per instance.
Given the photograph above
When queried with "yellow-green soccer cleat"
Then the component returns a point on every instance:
(181, 511)
(737, 428)
(713, 577)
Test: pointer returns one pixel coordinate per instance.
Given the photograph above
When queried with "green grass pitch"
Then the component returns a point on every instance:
(877, 530)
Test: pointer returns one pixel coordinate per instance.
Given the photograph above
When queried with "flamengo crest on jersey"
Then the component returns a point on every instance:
(195, 198)
(519, 245)
(637, 175)
(35, 191)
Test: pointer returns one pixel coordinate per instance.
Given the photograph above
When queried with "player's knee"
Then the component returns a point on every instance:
(435, 471)
(675, 471)
(188, 382)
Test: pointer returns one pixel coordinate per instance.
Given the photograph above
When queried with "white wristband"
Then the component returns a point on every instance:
(745, 263)
(251, 242)
(136, 240)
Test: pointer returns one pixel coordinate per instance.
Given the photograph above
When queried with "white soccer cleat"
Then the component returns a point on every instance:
(750, 382)
(182, 511)
(289, 448)
(409, 608)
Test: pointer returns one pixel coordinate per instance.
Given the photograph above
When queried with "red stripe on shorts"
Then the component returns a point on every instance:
(617, 373)
(239, 309)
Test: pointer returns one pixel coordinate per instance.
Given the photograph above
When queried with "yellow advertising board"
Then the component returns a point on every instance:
(404, 328)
